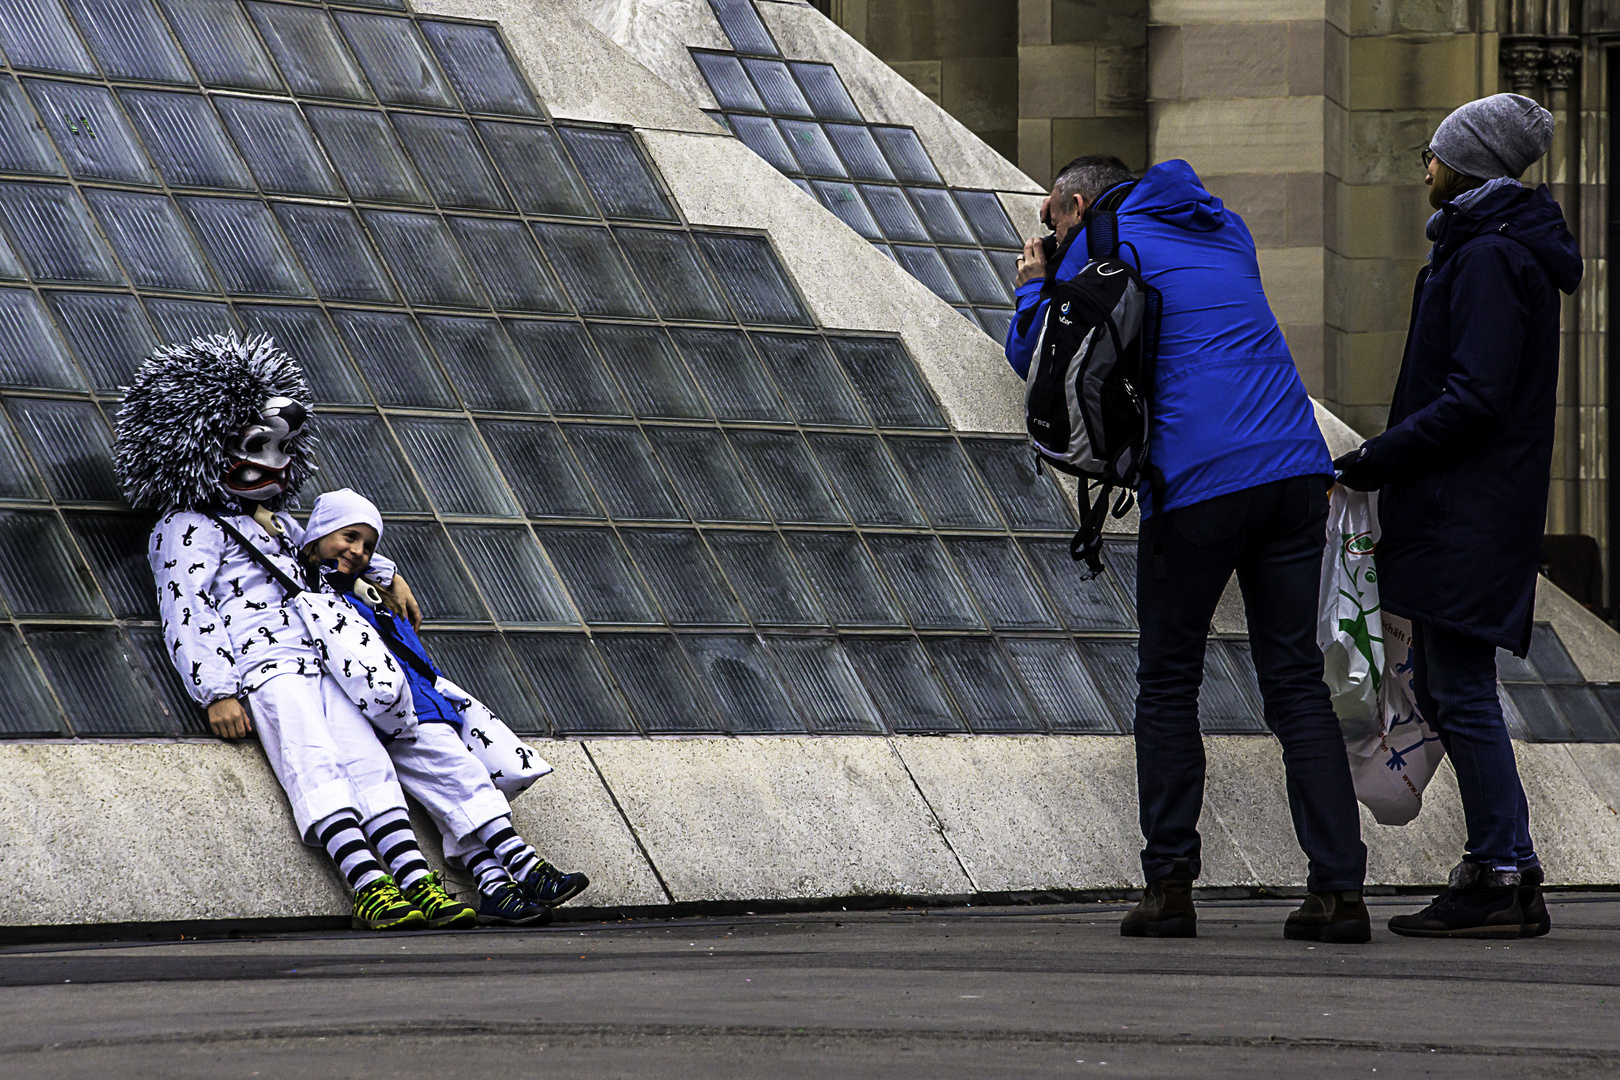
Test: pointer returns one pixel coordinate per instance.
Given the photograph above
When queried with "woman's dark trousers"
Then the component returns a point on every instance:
(1272, 536)
(1455, 679)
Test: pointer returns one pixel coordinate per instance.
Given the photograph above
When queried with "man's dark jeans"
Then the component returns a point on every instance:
(1273, 536)
(1455, 679)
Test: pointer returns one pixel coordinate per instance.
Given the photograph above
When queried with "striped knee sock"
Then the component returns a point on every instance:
(390, 834)
(487, 870)
(501, 838)
(344, 841)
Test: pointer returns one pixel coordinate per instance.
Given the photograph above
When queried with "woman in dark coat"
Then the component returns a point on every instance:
(1463, 470)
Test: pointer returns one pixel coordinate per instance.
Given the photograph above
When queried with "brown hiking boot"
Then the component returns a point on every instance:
(1338, 918)
(1166, 909)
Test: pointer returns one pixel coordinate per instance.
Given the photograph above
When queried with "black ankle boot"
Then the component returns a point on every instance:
(1478, 903)
(1338, 918)
(1531, 903)
(1166, 909)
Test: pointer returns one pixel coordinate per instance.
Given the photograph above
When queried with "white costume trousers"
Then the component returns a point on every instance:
(439, 773)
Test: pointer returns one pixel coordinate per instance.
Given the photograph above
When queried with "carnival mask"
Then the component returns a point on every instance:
(258, 452)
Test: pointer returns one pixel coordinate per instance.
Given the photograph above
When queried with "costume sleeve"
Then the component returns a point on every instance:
(1489, 312)
(381, 571)
(185, 553)
(1026, 327)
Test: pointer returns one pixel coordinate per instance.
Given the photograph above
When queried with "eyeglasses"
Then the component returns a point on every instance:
(1428, 156)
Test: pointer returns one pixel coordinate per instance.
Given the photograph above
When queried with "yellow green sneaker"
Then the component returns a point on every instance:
(443, 911)
(381, 906)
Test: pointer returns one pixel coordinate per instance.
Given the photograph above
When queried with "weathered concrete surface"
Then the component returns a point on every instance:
(773, 818)
(1592, 643)
(1423, 851)
(659, 35)
(1575, 830)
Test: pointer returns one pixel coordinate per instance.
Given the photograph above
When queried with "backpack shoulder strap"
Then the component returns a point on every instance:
(292, 587)
(1102, 222)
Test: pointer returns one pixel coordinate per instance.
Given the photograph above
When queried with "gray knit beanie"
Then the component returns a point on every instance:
(1500, 135)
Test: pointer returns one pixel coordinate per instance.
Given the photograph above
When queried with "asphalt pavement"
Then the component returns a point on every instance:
(961, 992)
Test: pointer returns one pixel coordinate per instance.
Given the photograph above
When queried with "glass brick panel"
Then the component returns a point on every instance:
(571, 683)
(765, 578)
(818, 673)
(481, 362)
(388, 348)
(1551, 659)
(683, 577)
(617, 174)
(658, 683)
(924, 580)
(544, 476)
(308, 338)
(760, 134)
(481, 664)
(396, 60)
(109, 333)
(186, 140)
(449, 158)
(483, 75)
(999, 580)
(115, 544)
(26, 707)
(566, 369)
(17, 479)
(901, 680)
(309, 51)
(866, 480)
(730, 374)
(842, 199)
(742, 25)
(888, 382)
(906, 154)
(940, 216)
(1224, 705)
(130, 40)
(367, 155)
(996, 323)
(673, 275)
(593, 271)
(984, 689)
(944, 482)
(754, 279)
(54, 236)
(650, 370)
(825, 90)
(506, 260)
(151, 239)
(23, 145)
(1584, 714)
(777, 89)
(424, 259)
(979, 280)
(427, 560)
(224, 50)
(598, 575)
(1510, 668)
(1028, 497)
(245, 246)
(1084, 605)
(861, 155)
(188, 717)
(1061, 690)
(541, 177)
(30, 352)
(455, 466)
(92, 667)
(1119, 563)
(40, 573)
(358, 452)
(728, 82)
(812, 148)
(989, 219)
(706, 473)
(516, 580)
(811, 380)
(1113, 666)
(71, 447)
(926, 265)
(621, 467)
(37, 34)
(1540, 713)
(845, 579)
(788, 480)
(1006, 265)
(742, 682)
(1608, 698)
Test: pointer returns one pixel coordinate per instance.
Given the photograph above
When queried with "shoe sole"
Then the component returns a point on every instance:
(567, 896)
(453, 922)
(1537, 929)
(1483, 933)
(414, 921)
(495, 920)
(1164, 928)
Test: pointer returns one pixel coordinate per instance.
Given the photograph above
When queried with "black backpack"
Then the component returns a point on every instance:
(1087, 403)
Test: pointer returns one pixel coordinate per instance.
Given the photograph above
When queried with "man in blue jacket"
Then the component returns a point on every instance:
(1246, 478)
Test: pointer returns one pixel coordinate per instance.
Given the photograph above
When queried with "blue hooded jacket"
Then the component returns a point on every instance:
(1229, 409)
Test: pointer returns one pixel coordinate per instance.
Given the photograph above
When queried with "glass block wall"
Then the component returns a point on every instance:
(797, 115)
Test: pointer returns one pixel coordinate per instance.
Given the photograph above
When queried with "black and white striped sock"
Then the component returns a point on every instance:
(343, 840)
(516, 855)
(390, 834)
(487, 870)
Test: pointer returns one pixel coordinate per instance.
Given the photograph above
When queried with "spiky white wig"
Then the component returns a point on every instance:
(185, 402)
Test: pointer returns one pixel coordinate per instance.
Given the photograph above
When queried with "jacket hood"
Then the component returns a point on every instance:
(1172, 192)
(1530, 217)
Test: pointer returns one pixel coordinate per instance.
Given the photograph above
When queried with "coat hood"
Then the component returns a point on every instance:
(1172, 192)
(1530, 217)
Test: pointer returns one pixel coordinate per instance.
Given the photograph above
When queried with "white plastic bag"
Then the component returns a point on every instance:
(1392, 769)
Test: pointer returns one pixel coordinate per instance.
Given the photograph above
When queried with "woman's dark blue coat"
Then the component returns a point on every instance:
(1465, 461)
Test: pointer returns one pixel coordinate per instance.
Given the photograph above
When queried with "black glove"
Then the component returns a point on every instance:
(1353, 474)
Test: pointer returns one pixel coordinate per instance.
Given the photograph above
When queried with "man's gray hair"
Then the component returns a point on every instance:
(1090, 176)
